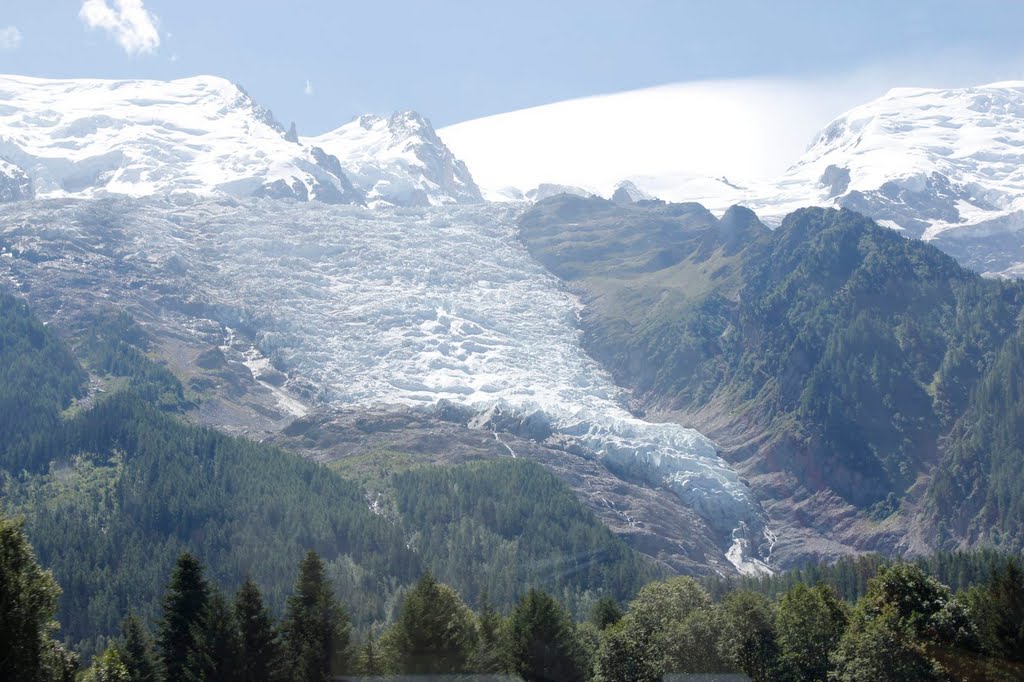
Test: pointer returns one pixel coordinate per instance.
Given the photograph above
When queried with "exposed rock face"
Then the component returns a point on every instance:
(649, 520)
(733, 328)
(266, 309)
(836, 180)
(546, 190)
(340, 192)
(399, 160)
(626, 192)
(15, 185)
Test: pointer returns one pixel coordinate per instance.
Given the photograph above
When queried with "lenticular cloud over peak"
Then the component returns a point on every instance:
(741, 128)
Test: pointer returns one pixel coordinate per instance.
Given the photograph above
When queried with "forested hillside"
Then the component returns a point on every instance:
(903, 625)
(39, 377)
(492, 527)
(115, 486)
(829, 356)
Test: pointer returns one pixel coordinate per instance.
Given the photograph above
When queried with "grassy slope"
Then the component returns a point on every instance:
(841, 353)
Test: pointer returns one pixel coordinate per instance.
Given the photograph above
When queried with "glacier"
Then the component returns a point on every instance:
(407, 306)
(398, 286)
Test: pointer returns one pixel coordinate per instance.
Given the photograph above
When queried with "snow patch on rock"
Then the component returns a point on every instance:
(399, 161)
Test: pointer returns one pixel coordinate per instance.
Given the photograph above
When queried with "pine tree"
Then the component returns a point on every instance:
(435, 632)
(489, 638)
(316, 628)
(370, 663)
(180, 639)
(260, 649)
(137, 652)
(216, 658)
(542, 643)
(28, 602)
(997, 607)
(605, 612)
(1005, 592)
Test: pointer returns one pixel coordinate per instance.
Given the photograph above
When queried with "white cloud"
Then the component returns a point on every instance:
(746, 129)
(128, 21)
(10, 38)
(309, 88)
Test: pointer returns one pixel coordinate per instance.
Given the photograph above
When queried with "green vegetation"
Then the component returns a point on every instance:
(521, 522)
(908, 625)
(28, 605)
(849, 576)
(116, 346)
(857, 360)
(114, 491)
(157, 486)
(434, 634)
(39, 378)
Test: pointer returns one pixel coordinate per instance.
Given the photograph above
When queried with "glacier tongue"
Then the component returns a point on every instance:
(414, 306)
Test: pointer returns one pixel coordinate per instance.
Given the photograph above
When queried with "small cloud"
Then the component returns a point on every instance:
(174, 57)
(10, 38)
(128, 21)
(308, 89)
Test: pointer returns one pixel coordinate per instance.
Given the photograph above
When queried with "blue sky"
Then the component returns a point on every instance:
(319, 63)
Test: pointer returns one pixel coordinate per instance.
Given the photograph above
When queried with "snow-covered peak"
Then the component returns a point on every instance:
(203, 135)
(399, 160)
(927, 160)
(546, 190)
(626, 192)
(932, 163)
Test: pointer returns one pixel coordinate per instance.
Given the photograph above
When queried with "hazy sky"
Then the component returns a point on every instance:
(319, 63)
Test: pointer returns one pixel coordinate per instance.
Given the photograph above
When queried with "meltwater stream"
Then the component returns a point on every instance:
(413, 306)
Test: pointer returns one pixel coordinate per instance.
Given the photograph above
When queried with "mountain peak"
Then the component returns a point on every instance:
(399, 160)
(924, 160)
(202, 135)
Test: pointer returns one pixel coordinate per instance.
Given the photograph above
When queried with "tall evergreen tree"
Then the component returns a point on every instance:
(28, 602)
(216, 658)
(316, 627)
(998, 607)
(489, 637)
(370, 662)
(435, 632)
(180, 638)
(605, 612)
(260, 649)
(542, 644)
(137, 652)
